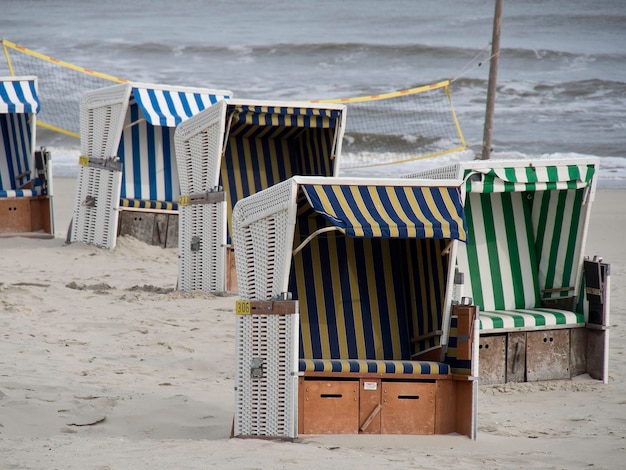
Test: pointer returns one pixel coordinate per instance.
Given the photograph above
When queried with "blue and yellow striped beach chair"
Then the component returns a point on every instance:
(523, 265)
(25, 176)
(369, 266)
(129, 160)
(232, 150)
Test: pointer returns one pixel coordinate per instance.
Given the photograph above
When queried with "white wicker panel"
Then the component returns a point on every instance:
(102, 114)
(263, 227)
(96, 223)
(203, 268)
(198, 143)
(442, 173)
(266, 405)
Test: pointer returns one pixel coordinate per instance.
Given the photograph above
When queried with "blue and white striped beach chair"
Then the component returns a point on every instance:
(128, 158)
(524, 261)
(370, 343)
(25, 179)
(234, 149)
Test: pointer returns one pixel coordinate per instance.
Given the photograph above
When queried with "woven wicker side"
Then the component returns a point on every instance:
(202, 247)
(96, 207)
(102, 114)
(263, 226)
(198, 142)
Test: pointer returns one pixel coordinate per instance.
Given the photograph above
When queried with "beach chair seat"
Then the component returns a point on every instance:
(126, 203)
(371, 337)
(500, 321)
(374, 367)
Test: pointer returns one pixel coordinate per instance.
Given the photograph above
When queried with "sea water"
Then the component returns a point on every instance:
(561, 77)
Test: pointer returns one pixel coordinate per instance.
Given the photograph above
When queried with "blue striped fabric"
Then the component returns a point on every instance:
(457, 366)
(21, 192)
(143, 204)
(374, 367)
(268, 144)
(18, 102)
(146, 147)
(18, 96)
(390, 212)
(169, 108)
(366, 299)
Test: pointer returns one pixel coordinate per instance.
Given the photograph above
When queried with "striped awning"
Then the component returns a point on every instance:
(390, 211)
(18, 96)
(169, 108)
(529, 178)
(314, 117)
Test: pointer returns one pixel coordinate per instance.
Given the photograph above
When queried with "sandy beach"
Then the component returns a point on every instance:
(104, 365)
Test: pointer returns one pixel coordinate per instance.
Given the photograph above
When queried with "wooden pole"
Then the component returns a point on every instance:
(493, 78)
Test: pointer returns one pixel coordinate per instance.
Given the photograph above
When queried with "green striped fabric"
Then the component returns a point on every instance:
(530, 178)
(499, 259)
(528, 318)
(557, 219)
(526, 228)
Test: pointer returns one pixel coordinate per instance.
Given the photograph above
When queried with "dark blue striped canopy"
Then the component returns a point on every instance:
(364, 211)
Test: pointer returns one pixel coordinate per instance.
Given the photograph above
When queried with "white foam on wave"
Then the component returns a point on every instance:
(612, 169)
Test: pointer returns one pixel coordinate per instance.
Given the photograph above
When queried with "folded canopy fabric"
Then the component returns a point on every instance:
(530, 178)
(390, 211)
(169, 108)
(284, 116)
(18, 96)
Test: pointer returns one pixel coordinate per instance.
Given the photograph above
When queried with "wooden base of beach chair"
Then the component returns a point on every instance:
(530, 356)
(354, 403)
(25, 215)
(154, 228)
(231, 271)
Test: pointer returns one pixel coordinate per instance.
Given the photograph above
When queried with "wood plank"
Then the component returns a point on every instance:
(370, 406)
(492, 359)
(15, 215)
(516, 357)
(547, 355)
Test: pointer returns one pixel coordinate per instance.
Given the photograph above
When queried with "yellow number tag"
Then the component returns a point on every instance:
(183, 200)
(242, 307)
(83, 160)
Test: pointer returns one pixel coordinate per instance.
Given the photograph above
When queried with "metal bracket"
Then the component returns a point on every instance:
(195, 243)
(110, 163)
(256, 367)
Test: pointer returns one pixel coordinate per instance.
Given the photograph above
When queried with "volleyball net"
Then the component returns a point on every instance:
(60, 86)
(382, 129)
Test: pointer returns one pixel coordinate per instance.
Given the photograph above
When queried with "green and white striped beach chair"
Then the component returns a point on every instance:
(370, 344)
(523, 265)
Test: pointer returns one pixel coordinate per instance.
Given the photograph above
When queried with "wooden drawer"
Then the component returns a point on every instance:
(408, 408)
(331, 407)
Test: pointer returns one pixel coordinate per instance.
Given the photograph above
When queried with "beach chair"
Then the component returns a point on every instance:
(345, 323)
(234, 149)
(25, 174)
(544, 306)
(128, 177)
